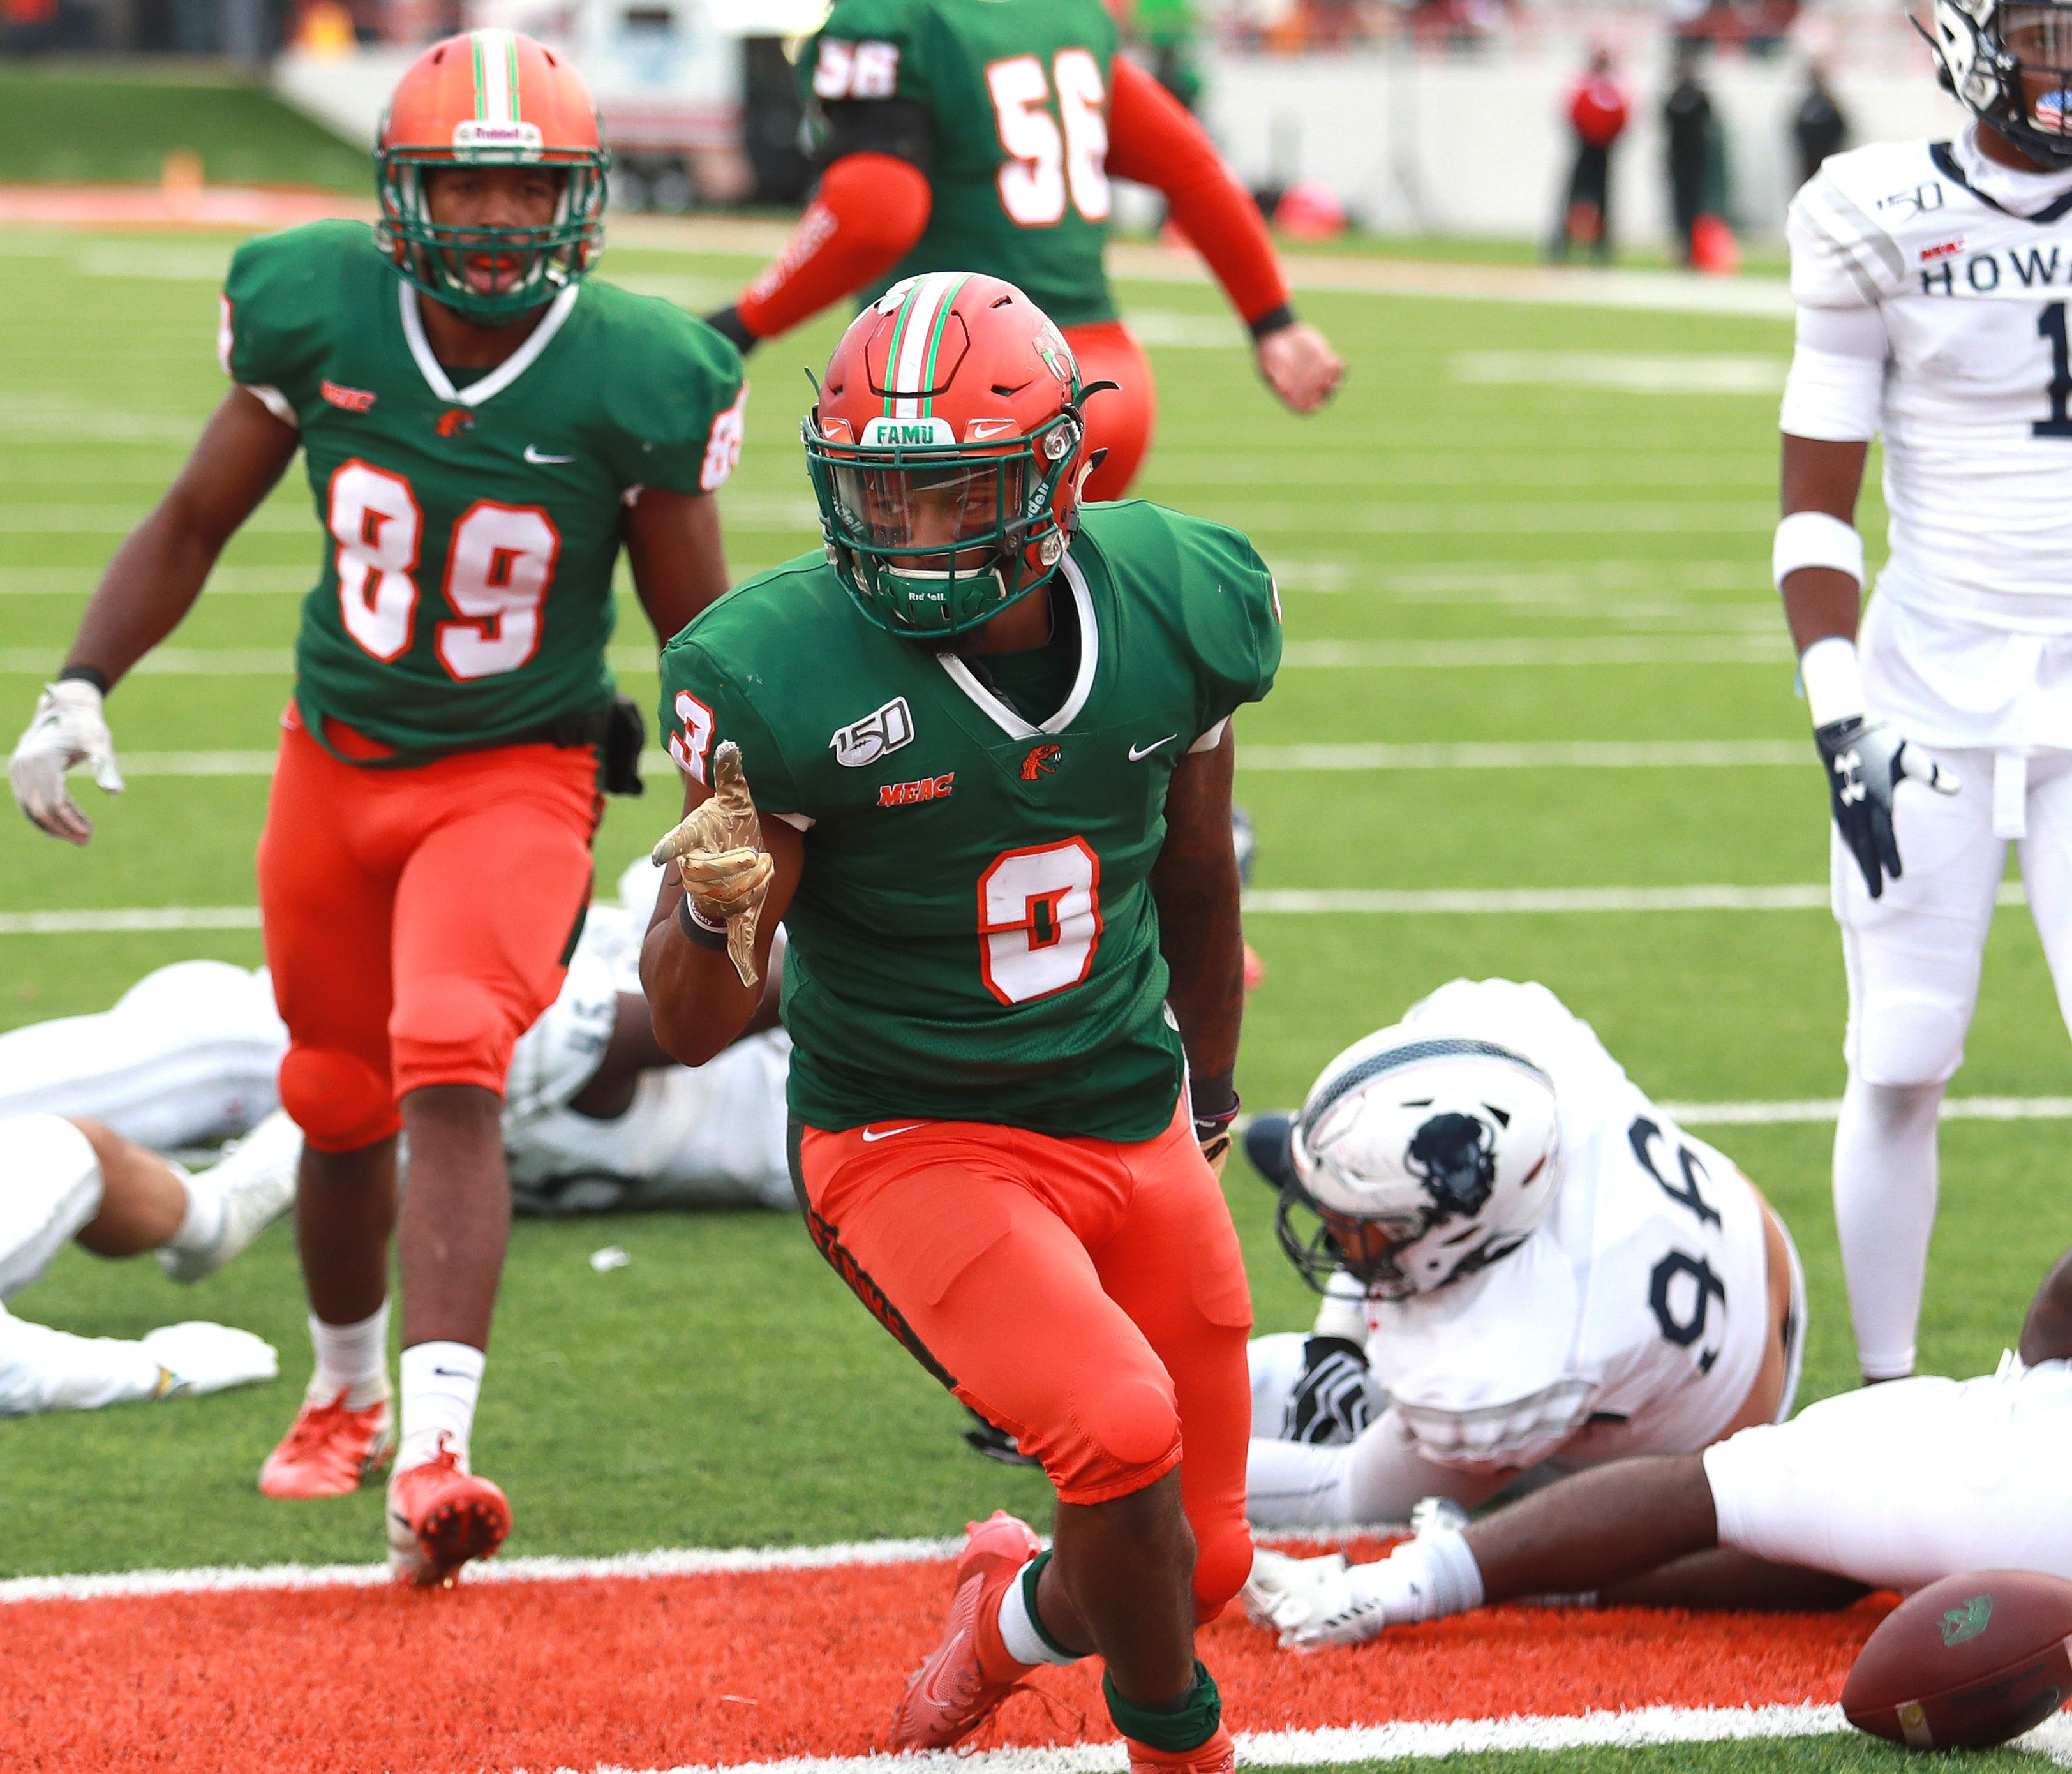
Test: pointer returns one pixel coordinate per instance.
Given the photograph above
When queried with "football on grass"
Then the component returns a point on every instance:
(1966, 1662)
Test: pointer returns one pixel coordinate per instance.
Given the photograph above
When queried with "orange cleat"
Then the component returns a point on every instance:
(440, 1517)
(331, 1451)
(949, 1696)
(1218, 1756)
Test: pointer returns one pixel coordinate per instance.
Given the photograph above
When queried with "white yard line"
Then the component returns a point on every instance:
(153, 918)
(1538, 754)
(1961, 1108)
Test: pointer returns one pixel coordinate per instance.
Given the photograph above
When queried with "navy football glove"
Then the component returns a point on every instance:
(1866, 762)
(1330, 1404)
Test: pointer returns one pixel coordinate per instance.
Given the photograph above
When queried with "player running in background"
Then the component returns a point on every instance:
(73, 1180)
(596, 1116)
(1523, 1260)
(1932, 284)
(982, 138)
(485, 430)
(988, 737)
(1894, 1487)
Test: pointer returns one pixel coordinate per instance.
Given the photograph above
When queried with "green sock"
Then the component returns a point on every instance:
(1188, 1726)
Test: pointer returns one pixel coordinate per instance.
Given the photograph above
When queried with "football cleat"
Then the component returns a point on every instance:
(1218, 1756)
(440, 1517)
(948, 1697)
(331, 1451)
(256, 1175)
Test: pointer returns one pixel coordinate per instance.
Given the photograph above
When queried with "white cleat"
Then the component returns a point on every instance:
(1311, 1602)
(256, 1175)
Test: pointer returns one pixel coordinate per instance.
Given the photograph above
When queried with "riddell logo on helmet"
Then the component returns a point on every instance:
(523, 137)
(347, 399)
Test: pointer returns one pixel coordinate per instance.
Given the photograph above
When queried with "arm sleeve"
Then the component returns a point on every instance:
(46, 1370)
(1843, 265)
(871, 210)
(1152, 141)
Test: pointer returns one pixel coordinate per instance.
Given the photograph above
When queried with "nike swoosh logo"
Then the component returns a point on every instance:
(538, 461)
(452, 1373)
(871, 1138)
(1138, 751)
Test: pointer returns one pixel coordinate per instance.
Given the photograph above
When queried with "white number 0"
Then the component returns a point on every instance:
(1045, 159)
(1039, 920)
(500, 565)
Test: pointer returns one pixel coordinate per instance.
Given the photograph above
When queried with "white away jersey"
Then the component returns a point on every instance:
(1633, 1320)
(1977, 407)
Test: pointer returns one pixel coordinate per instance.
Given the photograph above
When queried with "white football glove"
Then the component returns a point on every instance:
(199, 1357)
(67, 729)
(719, 856)
(1312, 1602)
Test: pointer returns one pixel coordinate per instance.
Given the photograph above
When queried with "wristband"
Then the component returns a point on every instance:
(1274, 320)
(1834, 683)
(1816, 539)
(1213, 1099)
(85, 674)
(696, 931)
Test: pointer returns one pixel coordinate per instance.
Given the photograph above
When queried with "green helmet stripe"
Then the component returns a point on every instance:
(481, 83)
(510, 52)
(936, 344)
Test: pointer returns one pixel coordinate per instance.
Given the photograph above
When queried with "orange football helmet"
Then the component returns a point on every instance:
(945, 453)
(492, 98)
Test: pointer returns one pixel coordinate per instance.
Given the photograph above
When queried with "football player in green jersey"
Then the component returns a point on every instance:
(978, 758)
(485, 429)
(980, 135)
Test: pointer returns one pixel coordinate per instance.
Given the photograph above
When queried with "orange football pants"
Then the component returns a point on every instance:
(1119, 419)
(1087, 1297)
(417, 921)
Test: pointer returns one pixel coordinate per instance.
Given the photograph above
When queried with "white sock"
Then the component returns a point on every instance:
(1024, 1640)
(202, 1228)
(1885, 1186)
(441, 1383)
(1428, 1579)
(352, 1359)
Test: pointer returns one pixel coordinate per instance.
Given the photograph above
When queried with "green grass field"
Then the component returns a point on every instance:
(723, 1389)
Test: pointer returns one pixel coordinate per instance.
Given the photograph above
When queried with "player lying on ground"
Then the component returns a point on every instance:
(1893, 1487)
(956, 137)
(1524, 1261)
(987, 734)
(485, 429)
(72, 1180)
(596, 1116)
(1932, 280)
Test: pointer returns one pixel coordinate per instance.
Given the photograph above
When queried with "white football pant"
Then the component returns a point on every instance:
(49, 1187)
(1901, 1484)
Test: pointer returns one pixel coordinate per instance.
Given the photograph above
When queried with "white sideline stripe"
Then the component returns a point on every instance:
(1541, 754)
(689, 1561)
(1418, 1740)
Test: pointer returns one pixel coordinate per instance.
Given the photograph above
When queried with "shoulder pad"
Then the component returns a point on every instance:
(1856, 226)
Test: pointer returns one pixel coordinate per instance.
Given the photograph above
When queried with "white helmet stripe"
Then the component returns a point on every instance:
(495, 77)
(907, 380)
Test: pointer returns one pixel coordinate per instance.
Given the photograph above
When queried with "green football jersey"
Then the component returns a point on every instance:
(472, 519)
(1017, 94)
(974, 938)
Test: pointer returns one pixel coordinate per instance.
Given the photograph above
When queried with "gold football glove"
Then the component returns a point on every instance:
(719, 856)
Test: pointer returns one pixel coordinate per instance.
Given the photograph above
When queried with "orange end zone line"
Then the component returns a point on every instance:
(752, 1658)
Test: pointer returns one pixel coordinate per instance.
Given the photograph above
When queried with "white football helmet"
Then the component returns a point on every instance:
(1423, 1159)
(1984, 48)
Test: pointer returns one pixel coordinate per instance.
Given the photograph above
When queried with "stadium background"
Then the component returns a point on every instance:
(1537, 720)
